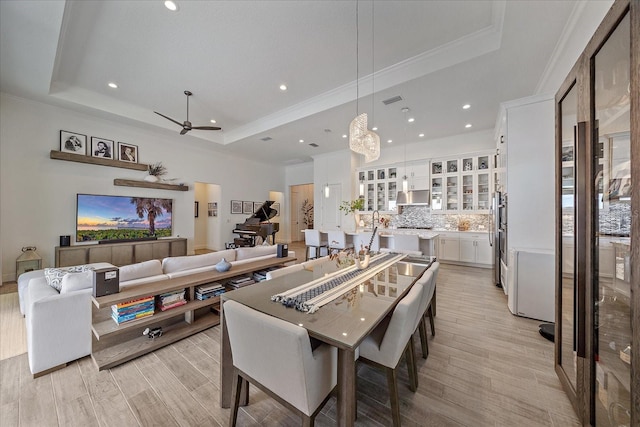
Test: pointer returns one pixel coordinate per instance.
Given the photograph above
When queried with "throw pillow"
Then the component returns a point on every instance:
(76, 281)
(54, 275)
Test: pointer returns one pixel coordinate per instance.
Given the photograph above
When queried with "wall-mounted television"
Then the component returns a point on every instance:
(121, 218)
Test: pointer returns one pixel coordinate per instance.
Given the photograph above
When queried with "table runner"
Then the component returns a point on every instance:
(313, 295)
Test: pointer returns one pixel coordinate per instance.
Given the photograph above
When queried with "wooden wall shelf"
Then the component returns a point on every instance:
(146, 184)
(79, 158)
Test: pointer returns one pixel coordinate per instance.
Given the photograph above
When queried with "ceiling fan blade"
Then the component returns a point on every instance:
(206, 127)
(184, 130)
(169, 118)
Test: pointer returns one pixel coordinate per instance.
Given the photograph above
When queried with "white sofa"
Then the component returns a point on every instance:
(58, 323)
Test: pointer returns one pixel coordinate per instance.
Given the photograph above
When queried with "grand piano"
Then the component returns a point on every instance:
(257, 225)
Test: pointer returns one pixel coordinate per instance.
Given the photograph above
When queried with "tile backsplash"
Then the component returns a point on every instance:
(421, 217)
(616, 220)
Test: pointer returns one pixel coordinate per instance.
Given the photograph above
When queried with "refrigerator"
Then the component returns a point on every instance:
(498, 238)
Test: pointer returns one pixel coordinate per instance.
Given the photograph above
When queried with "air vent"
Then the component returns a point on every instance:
(266, 138)
(313, 144)
(392, 100)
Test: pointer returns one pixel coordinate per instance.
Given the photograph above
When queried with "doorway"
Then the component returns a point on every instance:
(206, 224)
(301, 202)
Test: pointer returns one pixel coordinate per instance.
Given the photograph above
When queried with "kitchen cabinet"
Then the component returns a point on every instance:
(417, 176)
(449, 248)
(475, 248)
(462, 184)
(380, 187)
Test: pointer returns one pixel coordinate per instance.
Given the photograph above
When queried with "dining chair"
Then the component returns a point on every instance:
(313, 239)
(312, 263)
(426, 280)
(435, 267)
(391, 339)
(276, 356)
(272, 274)
(338, 240)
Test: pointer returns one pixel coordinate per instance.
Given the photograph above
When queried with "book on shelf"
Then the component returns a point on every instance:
(133, 302)
(149, 305)
(165, 307)
(128, 317)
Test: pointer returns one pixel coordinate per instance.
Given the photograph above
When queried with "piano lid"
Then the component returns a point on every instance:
(263, 213)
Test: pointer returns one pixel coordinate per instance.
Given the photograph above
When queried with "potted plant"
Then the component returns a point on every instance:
(155, 170)
(307, 213)
(351, 207)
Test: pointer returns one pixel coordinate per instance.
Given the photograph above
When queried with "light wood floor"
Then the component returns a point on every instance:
(486, 368)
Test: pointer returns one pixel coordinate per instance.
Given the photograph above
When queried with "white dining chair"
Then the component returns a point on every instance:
(276, 356)
(313, 239)
(426, 281)
(308, 265)
(435, 267)
(272, 274)
(390, 340)
(338, 240)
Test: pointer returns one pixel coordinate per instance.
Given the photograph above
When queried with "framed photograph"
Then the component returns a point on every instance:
(236, 207)
(256, 206)
(71, 142)
(212, 209)
(276, 207)
(247, 208)
(196, 209)
(127, 152)
(101, 147)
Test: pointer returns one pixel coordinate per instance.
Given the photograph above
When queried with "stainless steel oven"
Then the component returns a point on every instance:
(498, 234)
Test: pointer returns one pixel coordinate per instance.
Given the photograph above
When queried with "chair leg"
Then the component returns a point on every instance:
(306, 253)
(237, 389)
(431, 320)
(423, 338)
(392, 381)
(410, 353)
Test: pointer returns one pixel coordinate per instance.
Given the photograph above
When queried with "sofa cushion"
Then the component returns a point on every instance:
(140, 270)
(54, 275)
(190, 262)
(256, 251)
(76, 281)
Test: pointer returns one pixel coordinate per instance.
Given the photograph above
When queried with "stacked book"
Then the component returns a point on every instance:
(209, 290)
(261, 275)
(241, 281)
(171, 299)
(131, 310)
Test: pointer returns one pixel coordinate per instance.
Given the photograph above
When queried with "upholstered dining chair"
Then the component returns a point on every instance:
(391, 339)
(284, 271)
(435, 267)
(276, 357)
(313, 262)
(312, 238)
(428, 284)
(338, 240)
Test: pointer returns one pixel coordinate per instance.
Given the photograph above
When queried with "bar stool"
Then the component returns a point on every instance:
(313, 239)
(338, 240)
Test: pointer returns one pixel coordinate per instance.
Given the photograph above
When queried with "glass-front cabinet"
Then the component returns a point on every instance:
(462, 184)
(380, 187)
(598, 285)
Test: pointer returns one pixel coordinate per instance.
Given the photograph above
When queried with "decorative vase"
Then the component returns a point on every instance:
(223, 265)
(151, 178)
(364, 263)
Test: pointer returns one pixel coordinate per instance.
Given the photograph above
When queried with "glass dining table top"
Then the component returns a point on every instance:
(346, 320)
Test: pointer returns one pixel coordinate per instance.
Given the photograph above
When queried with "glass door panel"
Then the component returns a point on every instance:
(612, 208)
(436, 194)
(567, 299)
(452, 193)
(483, 191)
(467, 192)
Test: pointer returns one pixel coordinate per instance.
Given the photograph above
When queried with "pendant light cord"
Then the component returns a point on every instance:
(373, 70)
(357, 59)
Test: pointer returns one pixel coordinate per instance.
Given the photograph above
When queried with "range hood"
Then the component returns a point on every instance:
(414, 197)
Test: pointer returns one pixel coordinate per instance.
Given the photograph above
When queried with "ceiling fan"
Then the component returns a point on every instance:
(186, 126)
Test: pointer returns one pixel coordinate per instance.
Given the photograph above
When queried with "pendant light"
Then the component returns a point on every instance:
(326, 190)
(405, 182)
(326, 186)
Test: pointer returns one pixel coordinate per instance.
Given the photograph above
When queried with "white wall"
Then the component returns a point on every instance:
(38, 194)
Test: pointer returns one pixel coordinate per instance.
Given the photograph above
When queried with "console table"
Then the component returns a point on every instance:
(120, 253)
(113, 344)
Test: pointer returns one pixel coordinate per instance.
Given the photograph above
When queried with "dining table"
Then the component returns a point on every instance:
(349, 313)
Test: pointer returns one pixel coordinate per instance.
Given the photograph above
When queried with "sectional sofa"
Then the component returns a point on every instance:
(58, 321)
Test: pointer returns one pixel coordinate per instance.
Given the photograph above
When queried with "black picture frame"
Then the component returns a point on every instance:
(127, 152)
(72, 142)
(236, 206)
(101, 147)
(196, 209)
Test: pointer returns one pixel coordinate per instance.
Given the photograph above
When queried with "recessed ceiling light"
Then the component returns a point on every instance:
(301, 141)
(344, 136)
(112, 85)
(283, 87)
(172, 6)
(389, 141)
(374, 128)
(468, 125)
(421, 135)
(466, 106)
(213, 121)
(411, 120)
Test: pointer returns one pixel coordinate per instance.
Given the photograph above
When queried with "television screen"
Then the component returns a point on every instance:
(122, 218)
